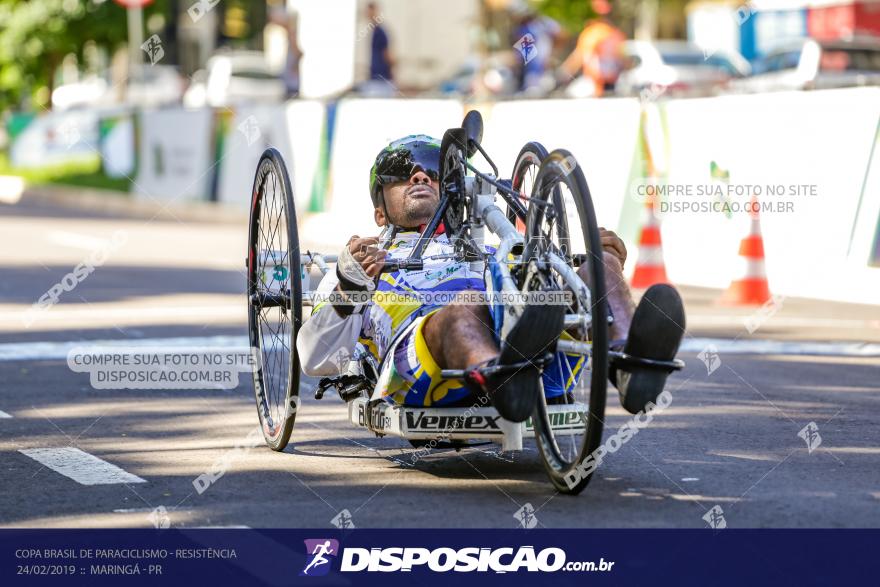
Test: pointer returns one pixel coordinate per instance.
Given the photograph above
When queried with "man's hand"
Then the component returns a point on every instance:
(611, 243)
(366, 252)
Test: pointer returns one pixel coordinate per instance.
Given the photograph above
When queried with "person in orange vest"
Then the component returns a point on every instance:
(598, 54)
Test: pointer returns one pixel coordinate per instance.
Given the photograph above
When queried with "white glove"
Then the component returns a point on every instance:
(349, 270)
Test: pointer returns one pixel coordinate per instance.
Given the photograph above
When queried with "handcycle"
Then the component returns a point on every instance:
(545, 234)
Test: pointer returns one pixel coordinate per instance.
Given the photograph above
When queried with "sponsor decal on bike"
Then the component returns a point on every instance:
(423, 421)
(379, 420)
(574, 420)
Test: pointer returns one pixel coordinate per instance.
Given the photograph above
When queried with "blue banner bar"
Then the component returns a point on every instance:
(203, 557)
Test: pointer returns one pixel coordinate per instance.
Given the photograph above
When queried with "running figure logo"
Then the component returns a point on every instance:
(317, 551)
(526, 516)
(715, 518)
(527, 47)
(810, 435)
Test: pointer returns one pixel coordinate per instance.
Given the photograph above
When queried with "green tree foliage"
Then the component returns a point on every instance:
(35, 35)
(571, 14)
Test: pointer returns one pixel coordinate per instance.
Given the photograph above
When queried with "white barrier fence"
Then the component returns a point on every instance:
(362, 129)
(601, 134)
(253, 129)
(825, 143)
(812, 146)
(175, 155)
(57, 138)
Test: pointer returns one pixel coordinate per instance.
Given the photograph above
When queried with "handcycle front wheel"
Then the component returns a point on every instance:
(525, 170)
(561, 220)
(274, 292)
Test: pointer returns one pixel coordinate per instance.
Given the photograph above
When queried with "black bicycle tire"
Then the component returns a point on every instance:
(532, 153)
(272, 161)
(561, 166)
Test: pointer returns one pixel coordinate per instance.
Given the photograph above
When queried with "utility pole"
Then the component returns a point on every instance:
(646, 20)
(135, 16)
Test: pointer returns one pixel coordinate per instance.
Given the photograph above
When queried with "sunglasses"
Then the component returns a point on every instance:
(387, 179)
(403, 164)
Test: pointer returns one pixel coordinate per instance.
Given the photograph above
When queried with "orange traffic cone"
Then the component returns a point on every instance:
(752, 288)
(650, 268)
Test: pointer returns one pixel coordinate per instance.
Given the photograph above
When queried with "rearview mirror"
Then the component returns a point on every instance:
(473, 127)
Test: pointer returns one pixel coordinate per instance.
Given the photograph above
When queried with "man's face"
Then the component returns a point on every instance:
(410, 202)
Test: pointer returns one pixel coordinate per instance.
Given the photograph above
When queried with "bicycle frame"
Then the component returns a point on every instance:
(481, 190)
(484, 217)
(523, 267)
(485, 214)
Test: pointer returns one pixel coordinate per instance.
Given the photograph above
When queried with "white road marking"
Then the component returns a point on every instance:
(80, 466)
(66, 314)
(45, 351)
(4, 414)
(782, 347)
(690, 479)
(703, 320)
(58, 350)
(75, 240)
(11, 189)
(135, 510)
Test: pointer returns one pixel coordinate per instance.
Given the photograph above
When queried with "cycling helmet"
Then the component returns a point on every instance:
(399, 160)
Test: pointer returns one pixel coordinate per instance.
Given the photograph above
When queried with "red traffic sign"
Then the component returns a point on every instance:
(133, 3)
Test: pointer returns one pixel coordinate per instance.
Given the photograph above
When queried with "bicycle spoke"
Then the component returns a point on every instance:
(272, 240)
(274, 329)
(560, 225)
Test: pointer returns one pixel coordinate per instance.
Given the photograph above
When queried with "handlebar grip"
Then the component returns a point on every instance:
(404, 265)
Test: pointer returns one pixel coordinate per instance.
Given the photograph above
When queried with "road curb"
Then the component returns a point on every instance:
(128, 204)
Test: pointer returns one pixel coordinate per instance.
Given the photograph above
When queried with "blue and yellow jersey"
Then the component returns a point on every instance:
(402, 296)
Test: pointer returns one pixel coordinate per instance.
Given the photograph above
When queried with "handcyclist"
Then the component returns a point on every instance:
(417, 340)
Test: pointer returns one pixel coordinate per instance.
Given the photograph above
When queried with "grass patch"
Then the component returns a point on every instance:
(85, 173)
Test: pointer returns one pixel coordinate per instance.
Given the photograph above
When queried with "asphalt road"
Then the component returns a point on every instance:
(729, 439)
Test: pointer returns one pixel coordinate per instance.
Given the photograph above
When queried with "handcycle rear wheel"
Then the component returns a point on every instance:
(274, 291)
(525, 170)
(562, 219)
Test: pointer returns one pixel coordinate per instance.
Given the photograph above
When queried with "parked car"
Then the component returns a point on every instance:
(234, 77)
(156, 85)
(809, 64)
(498, 78)
(153, 86)
(92, 90)
(677, 67)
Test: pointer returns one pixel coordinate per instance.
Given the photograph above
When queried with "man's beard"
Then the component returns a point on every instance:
(417, 211)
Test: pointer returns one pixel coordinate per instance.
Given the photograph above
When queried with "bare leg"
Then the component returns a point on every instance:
(618, 295)
(657, 335)
(460, 336)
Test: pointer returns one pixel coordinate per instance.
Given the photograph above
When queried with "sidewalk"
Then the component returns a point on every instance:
(130, 205)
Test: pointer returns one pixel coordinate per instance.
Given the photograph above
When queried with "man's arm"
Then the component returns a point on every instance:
(385, 48)
(574, 63)
(328, 337)
(611, 243)
(356, 268)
